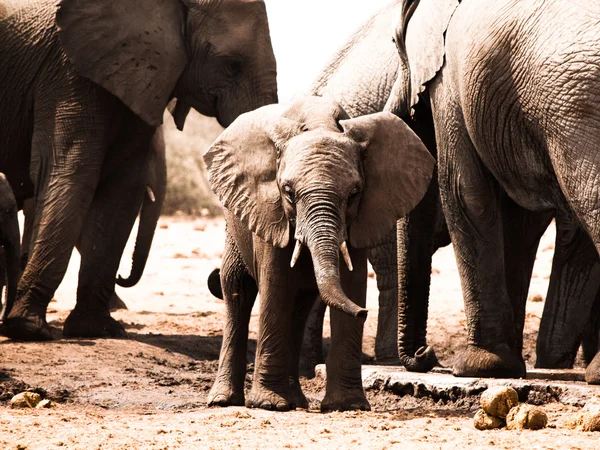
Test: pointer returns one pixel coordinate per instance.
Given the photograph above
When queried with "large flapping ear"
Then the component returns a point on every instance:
(134, 49)
(420, 34)
(397, 169)
(242, 171)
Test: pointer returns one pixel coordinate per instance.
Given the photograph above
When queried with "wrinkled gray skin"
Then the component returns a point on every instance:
(510, 145)
(10, 241)
(156, 189)
(84, 103)
(360, 77)
(305, 174)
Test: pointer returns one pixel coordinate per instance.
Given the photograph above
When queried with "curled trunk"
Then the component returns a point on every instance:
(154, 198)
(324, 244)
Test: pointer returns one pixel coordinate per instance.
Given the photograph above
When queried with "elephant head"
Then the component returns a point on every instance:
(419, 38)
(212, 55)
(306, 170)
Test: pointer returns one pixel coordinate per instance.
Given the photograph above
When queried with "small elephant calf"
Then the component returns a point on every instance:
(305, 172)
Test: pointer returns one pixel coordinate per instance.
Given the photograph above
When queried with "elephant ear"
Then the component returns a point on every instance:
(397, 169)
(132, 48)
(242, 171)
(421, 35)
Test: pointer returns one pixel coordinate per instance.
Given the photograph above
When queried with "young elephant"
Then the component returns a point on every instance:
(305, 171)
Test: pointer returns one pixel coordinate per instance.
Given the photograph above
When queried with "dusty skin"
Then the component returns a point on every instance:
(148, 392)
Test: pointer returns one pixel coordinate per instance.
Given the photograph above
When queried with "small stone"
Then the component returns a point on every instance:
(537, 298)
(25, 400)
(45, 404)
(526, 417)
(497, 401)
(484, 421)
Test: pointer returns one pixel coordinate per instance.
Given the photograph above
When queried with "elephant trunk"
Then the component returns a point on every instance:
(413, 297)
(12, 260)
(323, 241)
(154, 198)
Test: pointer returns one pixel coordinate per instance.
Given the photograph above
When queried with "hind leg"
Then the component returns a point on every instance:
(303, 305)
(239, 292)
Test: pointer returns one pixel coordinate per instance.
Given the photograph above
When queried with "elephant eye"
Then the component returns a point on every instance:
(233, 66)
(289, 193)
(355, 191)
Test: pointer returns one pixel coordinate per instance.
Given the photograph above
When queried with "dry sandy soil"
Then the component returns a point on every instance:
(149, 391)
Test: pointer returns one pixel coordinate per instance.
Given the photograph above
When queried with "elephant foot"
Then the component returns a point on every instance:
(30, 327)
(592, 372)
(501, 362)
(264, 398)
(297, 397)
(222, 393)
(91, 325)
(345, 400)
(115, 303)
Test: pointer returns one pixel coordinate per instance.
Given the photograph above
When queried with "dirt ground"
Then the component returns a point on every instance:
(149, 391)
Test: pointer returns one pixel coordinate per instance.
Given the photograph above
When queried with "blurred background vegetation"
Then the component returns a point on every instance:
(188, 191)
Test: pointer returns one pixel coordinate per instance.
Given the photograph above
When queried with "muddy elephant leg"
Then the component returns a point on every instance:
(278, 288)
(523, 230)
(384, 261)
(344, 389)
(312, 347)
(574, 285)
(65, 169)
(239, 292)
(471, 200)
(303, 306)
(105, 232)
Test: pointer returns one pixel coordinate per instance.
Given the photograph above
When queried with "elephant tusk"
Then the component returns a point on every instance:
(296, 254)
(150, 194)
(344, 249)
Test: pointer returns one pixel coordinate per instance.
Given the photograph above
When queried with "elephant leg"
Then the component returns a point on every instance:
(303, 307)
(312, 347)
(105, 232)
(574, 285)
(590, 339)
(523, 230)
(383, 258)
(239, 291)
(471, 200)
(344, 389)
(416, 246)
(270, 386)
(65, 167)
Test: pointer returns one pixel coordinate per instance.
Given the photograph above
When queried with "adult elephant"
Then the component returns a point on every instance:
(154, 197)
(508, 140)
(86, 89)
(362, 92)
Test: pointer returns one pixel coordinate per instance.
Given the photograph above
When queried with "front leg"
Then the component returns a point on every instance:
(107, 227)
(277, 284)
(344, 389)
(68, 150)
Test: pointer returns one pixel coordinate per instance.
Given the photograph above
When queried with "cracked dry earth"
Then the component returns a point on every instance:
(149, 391)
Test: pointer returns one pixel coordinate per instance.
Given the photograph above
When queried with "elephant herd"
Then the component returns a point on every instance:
(502, 94)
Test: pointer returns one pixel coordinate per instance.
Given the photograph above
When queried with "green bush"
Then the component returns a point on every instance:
(188, 191)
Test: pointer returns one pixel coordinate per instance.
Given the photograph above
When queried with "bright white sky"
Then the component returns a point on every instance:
(307, 33)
